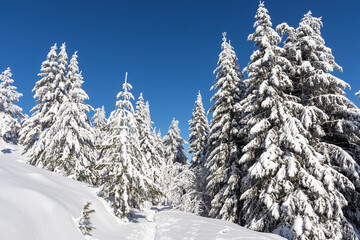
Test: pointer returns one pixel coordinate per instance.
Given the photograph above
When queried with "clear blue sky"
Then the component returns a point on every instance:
(170, 48)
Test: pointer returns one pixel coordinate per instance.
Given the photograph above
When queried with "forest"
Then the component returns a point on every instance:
(280, 152)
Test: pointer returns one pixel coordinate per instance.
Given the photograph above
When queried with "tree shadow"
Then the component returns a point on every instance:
(6, 150)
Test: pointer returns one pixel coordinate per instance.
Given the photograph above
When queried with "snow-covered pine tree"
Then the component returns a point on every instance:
(333, 119)
(99, 120)
(122, 168)
(159, 146)
(158, 157)
(199, 129)
(146, 137)
(42, 113)
(222, 149)
(319, 91)
(10, 113)
(174, 145)
(288, 187)
(71, 148)
(196, 200)
(174, 172)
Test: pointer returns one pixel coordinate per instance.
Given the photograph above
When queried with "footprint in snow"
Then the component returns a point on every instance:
(225, 230)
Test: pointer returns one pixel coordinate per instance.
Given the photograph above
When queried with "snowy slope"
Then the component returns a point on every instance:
(39, 205)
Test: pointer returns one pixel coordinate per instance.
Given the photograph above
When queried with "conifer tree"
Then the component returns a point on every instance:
(10, 113)
(99, 121)
(222, 148)
(121, 169)
(159, 148)
(174, 179)
(71, 148)
(144, 129)
(174, 145)
(42, 113)
(199, 128)
(147, 139)
(178, 185)
(288, 187)
(332, 118)
(196, 199)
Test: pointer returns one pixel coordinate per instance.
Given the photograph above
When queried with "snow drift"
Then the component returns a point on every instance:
(41, 205)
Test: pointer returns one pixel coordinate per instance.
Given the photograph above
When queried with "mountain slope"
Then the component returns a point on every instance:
(39, 205)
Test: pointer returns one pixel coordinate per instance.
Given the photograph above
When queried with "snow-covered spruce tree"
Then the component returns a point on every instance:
(180, 189)
(197, 200)
(42, 116)
(222, 149)
(172, 180)
(121, 171)
(199, 129)
(174, 145)
(10, 113)
(178, 181)
(160, 151)
(147, 138)
(319, 91)
(159, 147)
(71, 145)
(288, 187)
(99, 120)
(333, 119)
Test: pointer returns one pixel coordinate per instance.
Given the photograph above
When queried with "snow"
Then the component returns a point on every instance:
(180, 225)
(38, 204)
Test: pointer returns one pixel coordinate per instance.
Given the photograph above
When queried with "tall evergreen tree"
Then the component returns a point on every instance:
(156, 156)
(174, 177)
(71, 148)
(99, 121)
(125, 184)
(196, 200)
(159, 146)
(332, 118)
(222, 151)
(10, 113)
(174, 145)
(42, 113)
(199, 129)
(288, 187)
(147, 139)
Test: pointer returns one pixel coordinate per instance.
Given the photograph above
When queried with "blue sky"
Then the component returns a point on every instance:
(170, 48)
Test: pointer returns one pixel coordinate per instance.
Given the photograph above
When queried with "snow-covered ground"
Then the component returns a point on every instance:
(39, 205)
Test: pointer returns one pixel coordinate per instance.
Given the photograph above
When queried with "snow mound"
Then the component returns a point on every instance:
(176, 225)
(39, 205)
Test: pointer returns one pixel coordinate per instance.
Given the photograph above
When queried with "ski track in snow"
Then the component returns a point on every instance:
(40, 205)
